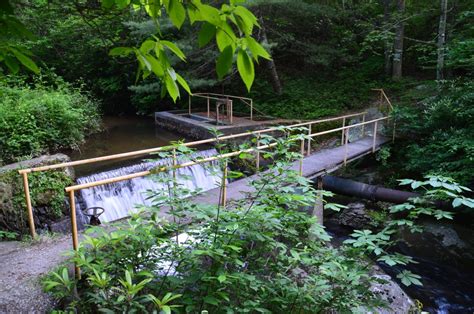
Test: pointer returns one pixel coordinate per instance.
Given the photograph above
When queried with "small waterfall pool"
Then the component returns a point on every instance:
(121, 198)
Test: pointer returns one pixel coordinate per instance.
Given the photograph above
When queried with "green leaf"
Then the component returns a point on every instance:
(147, 46)
(257, 49)
(176, 12)
(120, 51)
(457, 202)
(26, 61)
(246, 68)
(408, 278)
(122, 4)
(108, 3)
(183, 83)
(206, 33)
(171, 87)
(211, 300)
(248, 19)
(156, 66)
(224, 62)
(221, 278)
(12, 64)
(175, 49)
(225, 37)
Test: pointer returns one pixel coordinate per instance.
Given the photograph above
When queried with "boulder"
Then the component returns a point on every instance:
(13, 215)
(355, 216)
(40, 161)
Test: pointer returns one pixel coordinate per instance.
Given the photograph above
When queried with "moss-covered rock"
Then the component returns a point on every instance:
(46, 190)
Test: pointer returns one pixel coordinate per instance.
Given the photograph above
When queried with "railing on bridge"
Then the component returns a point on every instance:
(304, 149)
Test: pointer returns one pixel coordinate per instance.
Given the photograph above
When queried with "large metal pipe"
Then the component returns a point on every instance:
(367, 191)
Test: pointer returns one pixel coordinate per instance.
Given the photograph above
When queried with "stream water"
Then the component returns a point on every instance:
(442, 261)
(120, 135)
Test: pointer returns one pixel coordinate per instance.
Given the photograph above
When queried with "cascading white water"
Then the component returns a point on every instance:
(119, 199)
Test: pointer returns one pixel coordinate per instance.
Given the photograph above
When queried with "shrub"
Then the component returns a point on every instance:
(261, 254)
(439, 132)
(39, 118)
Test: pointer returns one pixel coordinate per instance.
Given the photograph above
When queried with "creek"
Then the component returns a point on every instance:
(443, 256)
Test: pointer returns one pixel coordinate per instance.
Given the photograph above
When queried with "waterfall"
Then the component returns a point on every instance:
(121, 198)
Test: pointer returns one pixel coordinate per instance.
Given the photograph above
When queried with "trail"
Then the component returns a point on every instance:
(22, 266)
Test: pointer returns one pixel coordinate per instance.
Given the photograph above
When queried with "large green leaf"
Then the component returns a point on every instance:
(206, 33)
(183, 83)
(176, 12)
(175, 49)
(224, 62)
(120, 51)
(257, 49)
(12, 64)
(26, 61)
(171, 87)
(246, 68)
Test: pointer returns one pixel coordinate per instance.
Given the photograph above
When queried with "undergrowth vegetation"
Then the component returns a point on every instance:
(434, 131)
(43, 117)
(260, 254)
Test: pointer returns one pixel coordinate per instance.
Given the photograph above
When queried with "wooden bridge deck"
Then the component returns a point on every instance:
(315, 165)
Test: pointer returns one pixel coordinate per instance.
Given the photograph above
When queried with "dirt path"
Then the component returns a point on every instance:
(21, 267)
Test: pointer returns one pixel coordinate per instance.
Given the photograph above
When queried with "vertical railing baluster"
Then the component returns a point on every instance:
(375, 136)
(75, 239)
(309, 140)
(346, 141)
(257, 161)
(363, 126)
(302, 156)
(224, 184)
(175, 163)
(343, 125)
(29, 207)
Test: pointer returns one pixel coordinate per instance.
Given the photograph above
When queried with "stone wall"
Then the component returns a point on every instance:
(13, 215)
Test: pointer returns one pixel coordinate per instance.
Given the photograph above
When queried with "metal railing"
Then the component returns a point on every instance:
(222, 98)
(310, 135)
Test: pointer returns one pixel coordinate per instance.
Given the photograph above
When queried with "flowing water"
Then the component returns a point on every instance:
(447, 277)
(121, 198)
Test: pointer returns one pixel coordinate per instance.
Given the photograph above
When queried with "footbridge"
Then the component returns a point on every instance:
(353, 136)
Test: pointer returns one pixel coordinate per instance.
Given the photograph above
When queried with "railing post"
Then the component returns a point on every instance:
(257, 162)
(75, 239)
(224, 185)
(208, 107)
(175, 163)
(363, 125)
(345, 146)
(231, 111)
(251, 109)
(29, 207)
(189, 104)
(309, 140)
(375, 136)
(343, 125)
(302, 156)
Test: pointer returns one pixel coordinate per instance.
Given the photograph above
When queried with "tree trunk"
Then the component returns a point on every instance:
(398, 42)
(275, 79)
(441, 40)
(388, 44)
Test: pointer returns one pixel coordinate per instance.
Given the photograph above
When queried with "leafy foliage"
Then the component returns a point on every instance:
(438, 191)
(261, 254)
(38, 119)
(436, 135)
